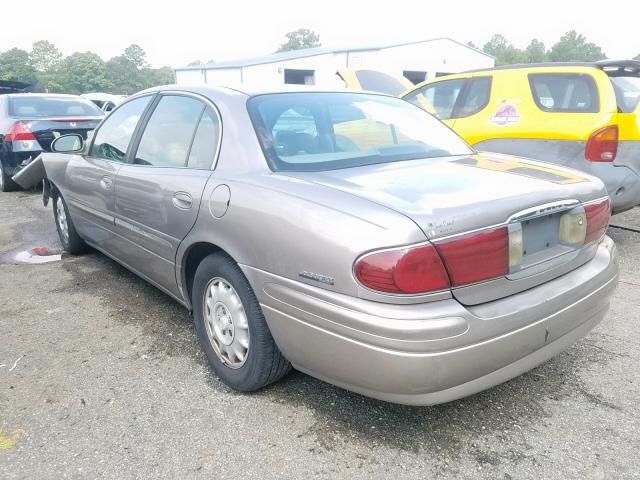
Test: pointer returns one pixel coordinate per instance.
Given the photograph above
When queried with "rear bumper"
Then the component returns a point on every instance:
(433, 352)
(13, 162)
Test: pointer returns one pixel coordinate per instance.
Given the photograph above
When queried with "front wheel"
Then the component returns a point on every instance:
(231, 327)
(69, 238)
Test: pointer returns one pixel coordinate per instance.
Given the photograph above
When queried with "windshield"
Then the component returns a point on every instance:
(326, 131)
(47, 107)
(627, 93)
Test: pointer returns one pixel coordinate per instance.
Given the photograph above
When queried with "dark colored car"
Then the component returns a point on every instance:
(9, 86)
(30, 122)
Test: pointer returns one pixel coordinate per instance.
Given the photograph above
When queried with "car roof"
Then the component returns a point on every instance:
(631, 66)
(250, 90)
(44, 95)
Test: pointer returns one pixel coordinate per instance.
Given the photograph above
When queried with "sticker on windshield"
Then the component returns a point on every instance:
(506, 115)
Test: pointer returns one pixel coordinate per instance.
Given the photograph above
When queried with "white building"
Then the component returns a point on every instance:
(416, 61)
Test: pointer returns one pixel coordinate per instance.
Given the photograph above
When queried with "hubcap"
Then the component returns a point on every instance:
(62, 219)
(226, 323)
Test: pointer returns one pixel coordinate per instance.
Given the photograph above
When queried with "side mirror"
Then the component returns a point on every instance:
(68, 143)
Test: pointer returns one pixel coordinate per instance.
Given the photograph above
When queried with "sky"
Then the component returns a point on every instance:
(178, 32)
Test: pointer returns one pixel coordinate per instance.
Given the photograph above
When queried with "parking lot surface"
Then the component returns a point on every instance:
(101, 376)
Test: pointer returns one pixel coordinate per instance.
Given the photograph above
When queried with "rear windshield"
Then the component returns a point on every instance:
(564, 92)
(627, 93)
(326, 131)
(30, 107)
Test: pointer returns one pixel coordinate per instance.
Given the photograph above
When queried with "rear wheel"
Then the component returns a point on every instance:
(231, 327)
(6, 184)
(69, 238)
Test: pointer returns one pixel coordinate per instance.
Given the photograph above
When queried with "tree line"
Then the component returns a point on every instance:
(47, 70)
(572, 47)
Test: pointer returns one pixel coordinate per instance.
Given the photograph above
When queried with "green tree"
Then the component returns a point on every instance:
(15, 64)
(84, 72)
(129, 73)
(136, 55)
(301, 38)
(573, 47)
(160, 76)
(536, 52)
(472, 45)
(123, 75)
(44, 56)
(505, 53)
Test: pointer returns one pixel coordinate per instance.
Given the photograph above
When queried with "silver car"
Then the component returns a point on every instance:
(350, 235)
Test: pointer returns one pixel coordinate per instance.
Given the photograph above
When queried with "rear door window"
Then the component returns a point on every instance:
(113, 137)
(167, 136)
(205, 141)
(564, 92)
(441, 96)
(475, 97)
(627, 93)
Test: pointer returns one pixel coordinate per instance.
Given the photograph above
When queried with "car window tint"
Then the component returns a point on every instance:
(41, 107)
(380, 82)
(205, 142)
(315, 131)
(294, 131)
(627, 93)
(166, 138)
(564, 92)
(438, 97)
(475, 98)
(113, 137)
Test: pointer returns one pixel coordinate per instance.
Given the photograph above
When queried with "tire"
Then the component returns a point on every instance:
(69, 238)
(6, 184)
(222, 328)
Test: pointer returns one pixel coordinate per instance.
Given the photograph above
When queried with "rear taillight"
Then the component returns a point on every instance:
(476, 257)
(470, 258)
(603, 145)
(19, 131)
(420, 269)
(598, 216)
(404, 270)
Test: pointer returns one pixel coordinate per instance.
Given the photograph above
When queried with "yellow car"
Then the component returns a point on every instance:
(582, 115)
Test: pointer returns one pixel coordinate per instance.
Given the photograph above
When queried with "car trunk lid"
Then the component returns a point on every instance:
(453, 197)
(48, 129)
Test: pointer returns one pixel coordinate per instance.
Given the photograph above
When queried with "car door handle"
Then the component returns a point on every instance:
(182, 200)
(106, 183)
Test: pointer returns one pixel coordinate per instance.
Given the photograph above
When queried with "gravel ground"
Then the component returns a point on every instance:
(110, 383)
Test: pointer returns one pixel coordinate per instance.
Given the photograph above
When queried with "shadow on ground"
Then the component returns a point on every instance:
(444, 431)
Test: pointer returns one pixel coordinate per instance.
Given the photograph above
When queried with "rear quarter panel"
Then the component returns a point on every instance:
(283, 226)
